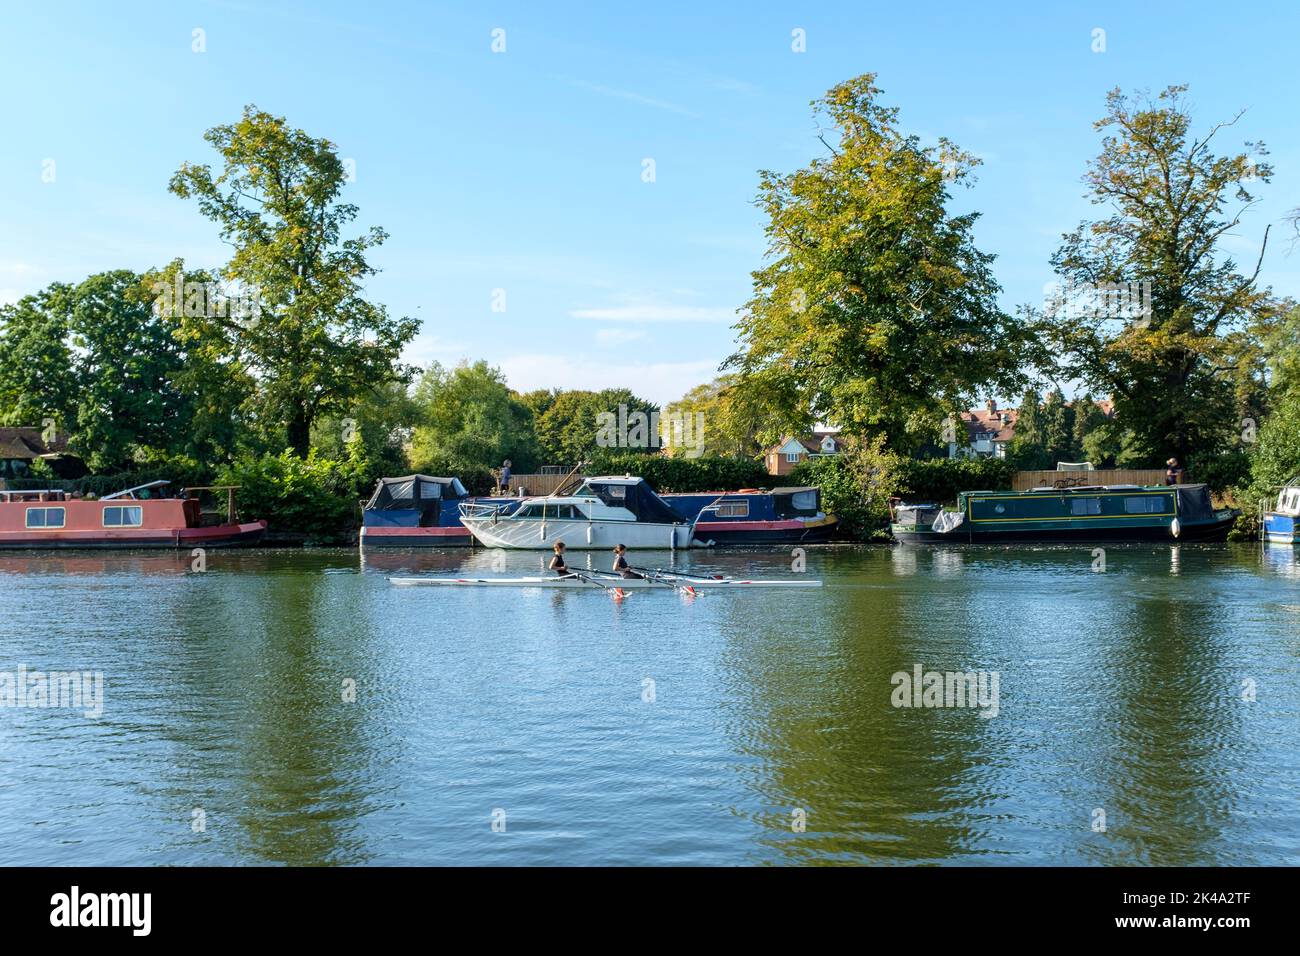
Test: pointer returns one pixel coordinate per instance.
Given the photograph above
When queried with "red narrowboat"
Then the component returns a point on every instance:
(141, 517)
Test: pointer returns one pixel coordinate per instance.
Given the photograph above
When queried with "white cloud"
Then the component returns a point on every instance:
(656, 313)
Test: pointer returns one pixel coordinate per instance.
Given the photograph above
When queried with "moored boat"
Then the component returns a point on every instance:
(146, 516)
(1282, 524)
(753, 517)
(416, 511)
(601, 513)
(1096, 513)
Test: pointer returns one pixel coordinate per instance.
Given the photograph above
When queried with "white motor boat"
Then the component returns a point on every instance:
(601, 513)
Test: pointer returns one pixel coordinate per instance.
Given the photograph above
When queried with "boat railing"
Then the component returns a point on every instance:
(487, 509)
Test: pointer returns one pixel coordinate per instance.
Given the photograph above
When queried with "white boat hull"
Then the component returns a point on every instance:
(626, 584)
(579, 535)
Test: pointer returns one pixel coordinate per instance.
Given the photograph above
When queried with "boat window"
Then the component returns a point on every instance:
(45, 517)
(553, 512)
(1085, 506)
(1146, 505)
(733, 509)
(128, 516)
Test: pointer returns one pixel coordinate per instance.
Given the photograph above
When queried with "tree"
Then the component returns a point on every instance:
(37, 378)
(469, 420)
(1058, 428)
(876, 311)
(1027, 445)
(312, 339)
(728, 424)
(569, 431)
(1173, 364)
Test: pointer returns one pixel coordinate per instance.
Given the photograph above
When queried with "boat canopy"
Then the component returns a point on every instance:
(413, 492)
(634, 494)
(802, 502)
(1194, 502)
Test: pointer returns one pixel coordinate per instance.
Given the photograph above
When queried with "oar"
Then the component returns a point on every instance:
(617, 592)
(681, 574)
(657, 578)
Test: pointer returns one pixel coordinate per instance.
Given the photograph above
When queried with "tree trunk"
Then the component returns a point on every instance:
(300, 433)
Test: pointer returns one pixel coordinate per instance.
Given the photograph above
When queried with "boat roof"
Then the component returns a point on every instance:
(617, 480)
(130, 492)
(1086, 489)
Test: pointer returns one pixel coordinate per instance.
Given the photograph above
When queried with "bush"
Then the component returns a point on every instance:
(940, 479)
(1220, 472)
(684, 475)
(313, 496)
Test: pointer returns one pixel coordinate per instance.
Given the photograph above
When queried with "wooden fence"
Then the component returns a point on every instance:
(1025, 480)
(545, 484)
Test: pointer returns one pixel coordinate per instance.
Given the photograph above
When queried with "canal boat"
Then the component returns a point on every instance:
(785, 516)
(146, 516)
(1085, 513)
(601, 513)
(417, 511)
(1282, 524)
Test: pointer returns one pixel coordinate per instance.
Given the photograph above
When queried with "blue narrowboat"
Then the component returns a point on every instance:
(417, 511)
(754, 517)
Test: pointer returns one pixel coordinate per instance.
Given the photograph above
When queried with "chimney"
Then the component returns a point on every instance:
(991, 405)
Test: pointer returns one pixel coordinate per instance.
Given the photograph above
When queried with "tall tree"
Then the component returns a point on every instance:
(470, 420)
(730, 425)
(570, 429)
(38, 380)
(313, 341)
(877, 311)
(1172, 363)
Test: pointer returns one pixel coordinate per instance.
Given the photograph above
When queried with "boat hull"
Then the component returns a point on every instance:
(577, 535)
(741, 533)
(216, 536)
(1216, 530)
(395, 537)
(1280, 528)
(626, 584)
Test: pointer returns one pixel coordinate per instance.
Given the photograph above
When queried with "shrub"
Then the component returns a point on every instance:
(940, 479)
(313, 496)
(684, 475)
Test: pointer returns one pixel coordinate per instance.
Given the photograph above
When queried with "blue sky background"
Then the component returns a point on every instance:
(522, 170)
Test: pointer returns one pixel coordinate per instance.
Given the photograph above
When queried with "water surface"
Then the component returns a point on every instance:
(662, 729)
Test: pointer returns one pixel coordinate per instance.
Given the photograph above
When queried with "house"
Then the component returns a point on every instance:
(783, 457)
(20, 446)
(985, 433)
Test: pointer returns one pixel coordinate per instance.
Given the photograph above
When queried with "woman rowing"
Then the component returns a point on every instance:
(557, 563)
(620, 562)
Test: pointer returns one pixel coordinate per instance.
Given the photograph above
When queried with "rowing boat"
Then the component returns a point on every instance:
(626, 584)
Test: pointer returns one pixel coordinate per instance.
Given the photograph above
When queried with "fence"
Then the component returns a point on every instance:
(542, 484)
(1025, 480)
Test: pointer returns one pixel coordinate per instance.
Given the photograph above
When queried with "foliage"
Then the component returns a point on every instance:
(1179, 375)
(312, 338)
(678, 473)
(940, 479)
(856, 485)
(1275, 458)
(373, 430)
(724, 421)
(568, 431)
(312, 495)
(37, 378)
(467, 420)
(876, 312)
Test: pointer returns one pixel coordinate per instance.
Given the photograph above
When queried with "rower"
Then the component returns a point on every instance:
(620, 562)
(557, 563)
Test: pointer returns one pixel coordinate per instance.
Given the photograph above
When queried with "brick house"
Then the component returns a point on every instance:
(783, 457)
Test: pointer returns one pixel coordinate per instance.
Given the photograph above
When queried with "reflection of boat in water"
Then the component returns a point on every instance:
(1087, 513)
(49, 562)
(141, 517)
(601, 513)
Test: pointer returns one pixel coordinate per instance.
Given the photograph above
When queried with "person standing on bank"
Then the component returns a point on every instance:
(1173, 472)
(505, 477)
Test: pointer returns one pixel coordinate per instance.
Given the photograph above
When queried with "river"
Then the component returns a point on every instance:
(293, 707)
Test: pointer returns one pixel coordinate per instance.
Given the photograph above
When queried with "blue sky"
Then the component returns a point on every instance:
(522, 171)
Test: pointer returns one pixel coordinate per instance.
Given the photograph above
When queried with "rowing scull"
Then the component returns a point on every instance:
(574, 581)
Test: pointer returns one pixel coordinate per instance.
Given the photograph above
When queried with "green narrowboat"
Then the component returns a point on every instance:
(1090, 513)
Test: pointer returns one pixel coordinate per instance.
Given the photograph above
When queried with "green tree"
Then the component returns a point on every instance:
(1172, 368)
(468, 419)
(569, 430)
(1028, 449)
(876, 311)
(1058, 428)
(38, 380)
(731, 424)
(312, 339)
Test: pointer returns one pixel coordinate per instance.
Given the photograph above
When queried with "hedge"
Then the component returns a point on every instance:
(683, 475)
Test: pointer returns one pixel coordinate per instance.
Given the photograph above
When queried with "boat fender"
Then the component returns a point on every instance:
(1175, 528)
